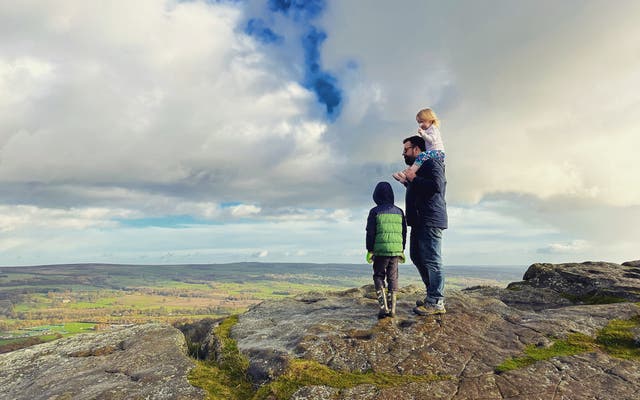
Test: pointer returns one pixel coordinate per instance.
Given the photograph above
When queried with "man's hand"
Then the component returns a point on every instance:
(409, 174)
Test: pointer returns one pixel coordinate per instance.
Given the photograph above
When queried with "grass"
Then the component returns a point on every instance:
(574, 344)
(215, 382)
(616, 339)
(43, 334)
(227, 377)
(302, 373)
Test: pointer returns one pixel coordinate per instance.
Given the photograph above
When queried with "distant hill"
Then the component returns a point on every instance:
(117, 276)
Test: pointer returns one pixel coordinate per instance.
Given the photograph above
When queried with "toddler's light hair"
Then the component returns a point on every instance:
(428, 114)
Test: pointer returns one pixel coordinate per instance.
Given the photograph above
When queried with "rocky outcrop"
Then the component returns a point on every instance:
(464, 350)
(141, 362)
(588, 282)
(482, 328)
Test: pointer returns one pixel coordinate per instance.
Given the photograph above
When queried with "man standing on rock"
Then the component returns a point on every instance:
(426, 214)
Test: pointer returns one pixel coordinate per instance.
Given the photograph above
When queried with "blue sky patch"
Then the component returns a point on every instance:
(321, 82)
(257, 28)
(302, 12)
(299, 10)
(169, 221)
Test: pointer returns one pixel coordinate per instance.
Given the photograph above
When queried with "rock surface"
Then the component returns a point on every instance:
(141, 362)
(589, 281)
(482, 328)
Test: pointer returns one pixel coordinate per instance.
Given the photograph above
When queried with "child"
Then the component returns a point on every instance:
(386, 238)
(428, 129)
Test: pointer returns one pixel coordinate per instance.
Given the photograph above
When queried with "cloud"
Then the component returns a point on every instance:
(161, 242)
(534, 99)
(244, 210)
(298, 20)
(20, 217)
(177, 104)
(574, 247)
(260, 254)
(160, 121)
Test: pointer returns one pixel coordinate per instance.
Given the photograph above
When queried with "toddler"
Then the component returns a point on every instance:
(428, 129)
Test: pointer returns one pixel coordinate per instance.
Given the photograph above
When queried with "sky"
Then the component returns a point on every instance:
(175, 132)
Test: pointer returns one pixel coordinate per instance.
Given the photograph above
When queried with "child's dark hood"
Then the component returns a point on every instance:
(383, 193)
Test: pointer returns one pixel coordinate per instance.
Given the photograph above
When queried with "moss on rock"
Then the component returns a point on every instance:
(616, 339)
(311, 373)
(227, 378)
(574, 344)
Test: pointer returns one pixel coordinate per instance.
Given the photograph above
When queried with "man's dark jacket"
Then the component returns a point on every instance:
(425, 203)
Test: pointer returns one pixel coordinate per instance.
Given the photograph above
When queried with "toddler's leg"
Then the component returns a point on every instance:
(414, 167)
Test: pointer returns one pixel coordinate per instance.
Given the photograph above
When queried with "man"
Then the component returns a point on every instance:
(426, 214)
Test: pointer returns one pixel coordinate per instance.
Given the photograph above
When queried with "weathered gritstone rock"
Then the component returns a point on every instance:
(482, 328)
(635, 263)
(477, 334)
(585, 376)
(145, 361)
(588, 281)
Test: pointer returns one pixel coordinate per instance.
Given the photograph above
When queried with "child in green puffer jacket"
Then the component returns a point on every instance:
(386, 239)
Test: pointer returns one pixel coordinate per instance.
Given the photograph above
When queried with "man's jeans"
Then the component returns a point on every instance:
(425, 252)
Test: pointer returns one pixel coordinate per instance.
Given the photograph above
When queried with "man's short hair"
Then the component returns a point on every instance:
(416, 141)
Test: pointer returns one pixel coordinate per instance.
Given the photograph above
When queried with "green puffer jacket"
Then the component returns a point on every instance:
(386, 225)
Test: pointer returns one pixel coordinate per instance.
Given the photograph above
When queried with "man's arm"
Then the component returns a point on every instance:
(429, 179)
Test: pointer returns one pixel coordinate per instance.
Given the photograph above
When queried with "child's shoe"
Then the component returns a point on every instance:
(383, 312)
(400, 177)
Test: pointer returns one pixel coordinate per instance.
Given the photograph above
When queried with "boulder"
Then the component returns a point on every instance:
(141, 362)
(635, 263)
(588, 282)
(482, 328)
(460, 350)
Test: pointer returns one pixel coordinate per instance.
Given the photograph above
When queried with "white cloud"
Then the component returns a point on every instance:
(534, 98)
(574, 247)
(114, 113)
(170, 99)
(244, 210)
(261, 254)
(14, 218)
(295, 241)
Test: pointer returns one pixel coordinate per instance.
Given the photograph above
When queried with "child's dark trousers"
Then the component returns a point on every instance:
(385, 267)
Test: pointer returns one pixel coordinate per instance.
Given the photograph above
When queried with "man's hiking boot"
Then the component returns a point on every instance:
(383, 312)
(430, 309)
(391, 301)
(421, 302)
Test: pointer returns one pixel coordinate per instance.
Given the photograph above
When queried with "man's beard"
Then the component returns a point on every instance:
(409, 160)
